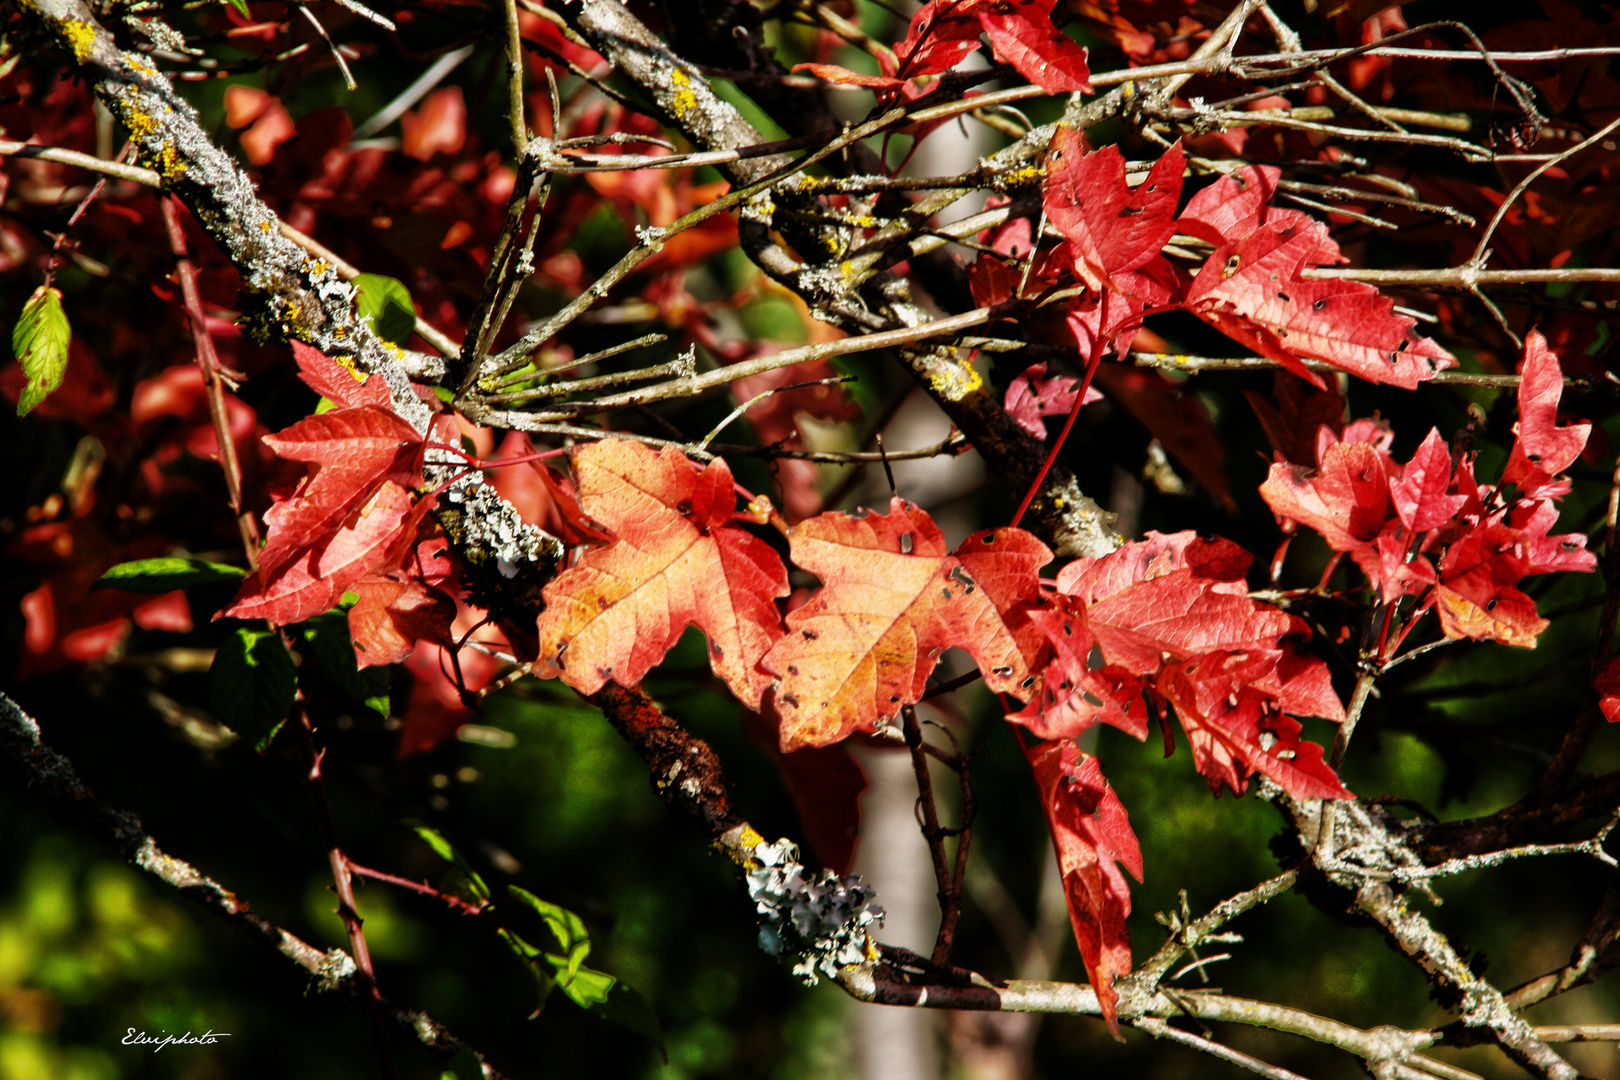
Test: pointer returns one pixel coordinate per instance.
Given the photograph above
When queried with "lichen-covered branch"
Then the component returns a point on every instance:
(293, 293)
(1361, 852)
(854, 299)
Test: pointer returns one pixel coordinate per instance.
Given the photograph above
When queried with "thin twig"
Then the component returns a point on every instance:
(342, 882)
(950, 898)
(132, 173)
(697, 384)
(456, 903)
(514, 81)
(208, 362)
(1196, 364)
(1161, 1030)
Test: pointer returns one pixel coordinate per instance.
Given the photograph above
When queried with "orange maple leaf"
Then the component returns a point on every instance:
(677, 560)
(893, 600)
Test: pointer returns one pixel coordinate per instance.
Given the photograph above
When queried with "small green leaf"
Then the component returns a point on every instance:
(464, 1066)
(240, 7)
(252, 685)
(387, 304)
(328, 639)
(40, 344)
(569, 930)
(156, 576)
(587, 987)
(446, 851)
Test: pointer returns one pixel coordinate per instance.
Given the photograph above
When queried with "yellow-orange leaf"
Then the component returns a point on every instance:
(893, 600)
(677, 560)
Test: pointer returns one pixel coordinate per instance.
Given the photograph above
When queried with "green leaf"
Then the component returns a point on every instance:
(252, 684)
(531, 958)
(596, 991)
(328, 639)
(387, 304)
(40, 344)
(241, 8)
(156, 576)
(569, 930)
(587, 987)
(446, 851)
(464, 1066)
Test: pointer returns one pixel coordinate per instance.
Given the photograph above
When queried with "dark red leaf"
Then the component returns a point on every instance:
(1093, 838)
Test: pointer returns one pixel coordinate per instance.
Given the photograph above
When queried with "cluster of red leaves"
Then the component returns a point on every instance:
(69, 542)
(1252, 287)
(1427, 529)
(351, 525)
(1166, 622)
(1149, 31)
(943, 32)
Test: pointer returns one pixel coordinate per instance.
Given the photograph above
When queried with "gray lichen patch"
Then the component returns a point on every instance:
(821, 919)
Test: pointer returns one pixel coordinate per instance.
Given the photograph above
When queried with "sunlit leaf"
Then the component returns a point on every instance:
(40, 344)
(157, 576)
(386, 302)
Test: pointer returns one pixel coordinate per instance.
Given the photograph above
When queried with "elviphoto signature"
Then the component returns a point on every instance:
(158, 1042)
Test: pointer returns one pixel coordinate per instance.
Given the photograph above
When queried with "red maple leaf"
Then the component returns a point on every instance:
(1170, 617)
(943, 32)
(336, 382)
(1022, 34)
(1109, 225)
(1032, 396)
(395, 612)
(1345, 498)
(1542, 449)
(1093, 838)
(1253, 290)
(314, 575)
(678, 559)
(892, 600)
(353, 514)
